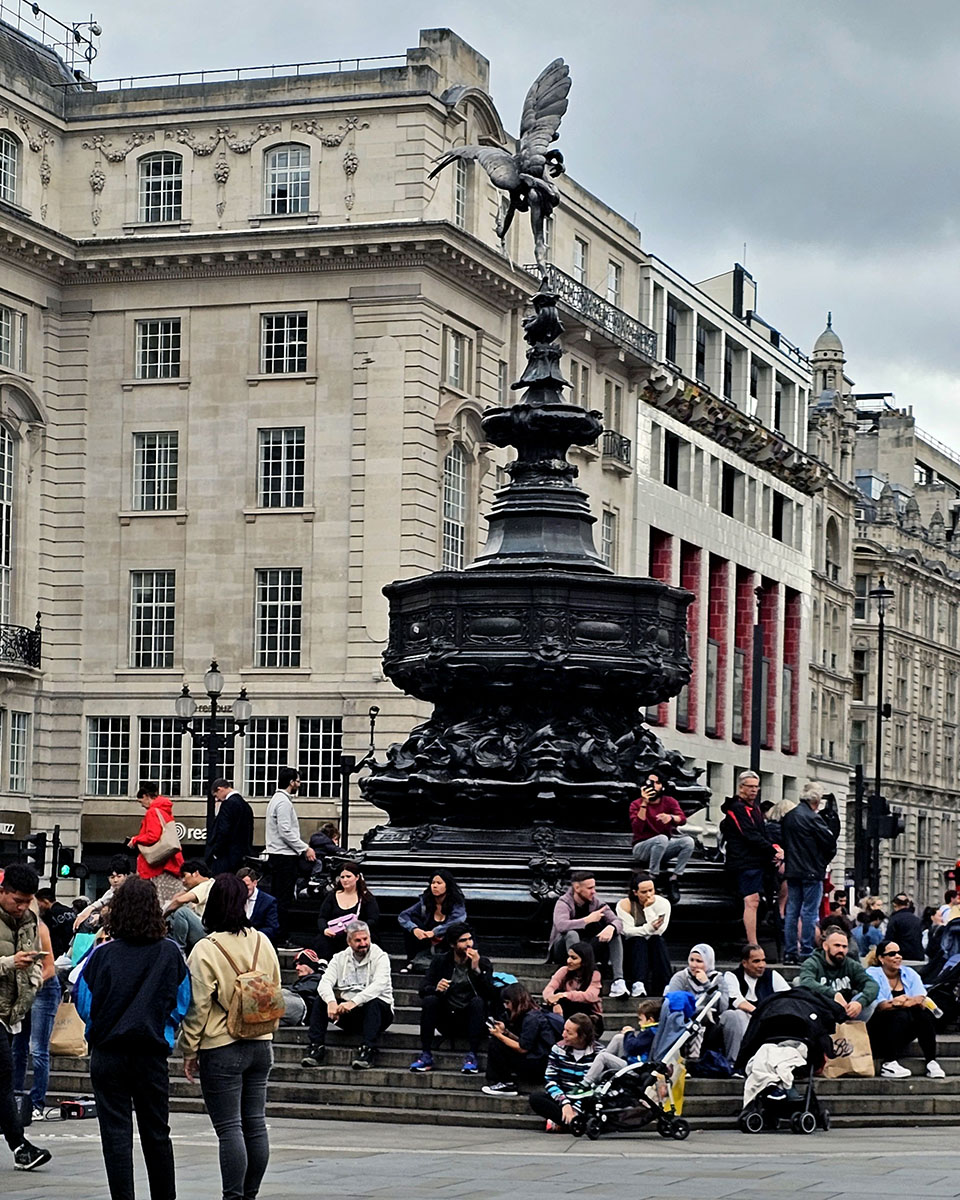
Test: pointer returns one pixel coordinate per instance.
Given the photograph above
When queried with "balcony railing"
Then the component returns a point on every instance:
(601, 313)
(19, 646)
(616, 445)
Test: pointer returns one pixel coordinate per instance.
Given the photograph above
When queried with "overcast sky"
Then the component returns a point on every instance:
(824, 134)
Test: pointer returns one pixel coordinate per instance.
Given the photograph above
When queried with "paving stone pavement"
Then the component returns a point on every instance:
(400, 1162)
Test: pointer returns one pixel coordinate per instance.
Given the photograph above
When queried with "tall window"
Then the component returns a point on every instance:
(453, 540)
(727, 370)
(152, 617)
(548, 238)
(858, 743)
(19, 741)
(456, 365)
(13, 339)
(318, 755)
(280, 483)
(155, 472)
(161, 188)
(283, 343)
(700, 365)
(287, 179)
(108, 755)
(608, 538)
(614, 283)
(279, 617)
(266, 749)
(580, 260)
(861, 586)
(460, 194)
(158, 349)
(161, 753)
(199, 770)
(580, 379)
(9, 163)
(612, 404)
(6, 523)
(860, 675)
(670, 340)
(503, 384)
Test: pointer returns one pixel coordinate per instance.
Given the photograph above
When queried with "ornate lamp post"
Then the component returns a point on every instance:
(233, 726)
(882, 595)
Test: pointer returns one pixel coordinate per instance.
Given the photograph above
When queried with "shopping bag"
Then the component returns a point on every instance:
(859, 1061)
(68, 1038)
(166, 845)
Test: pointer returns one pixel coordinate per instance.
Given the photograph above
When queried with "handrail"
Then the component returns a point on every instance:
(236, 74)
(620, 326)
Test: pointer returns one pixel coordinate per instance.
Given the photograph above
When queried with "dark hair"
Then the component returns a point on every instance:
(148, 787)
(831, 925)
(662, 773)
(926, 921)
(636, 911)
(949, 895)
(455, 933)
(452, 897)
(226, 908)
(249, 873)
(219, 783)
(46, 894)
(583, 975)
(650, 1006)
(330, 829)
(135, 914)
(349, 865)
(747, 949)
(519, 999)
(871, 916)
(882, 946)
(20, 877)
(119, 865)
(582, 876)
(195, 866)
(286, 776)
(586, 1030)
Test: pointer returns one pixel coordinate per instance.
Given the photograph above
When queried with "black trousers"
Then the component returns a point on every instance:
(125, 1082)
(545, 1106)
(505, 1065)
(647, 962)
(371, 1019)
(10, 1122)
(469, 1022)
(284, 872)
(892, 1031)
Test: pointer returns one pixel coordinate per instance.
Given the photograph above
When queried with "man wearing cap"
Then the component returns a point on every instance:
(905, 929)
(301, 995)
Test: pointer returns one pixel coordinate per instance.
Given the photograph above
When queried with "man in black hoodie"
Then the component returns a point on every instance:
(750, 853)
(809, 844)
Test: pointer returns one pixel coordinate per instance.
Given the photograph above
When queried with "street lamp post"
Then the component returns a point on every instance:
(233, 726)
(882, 595)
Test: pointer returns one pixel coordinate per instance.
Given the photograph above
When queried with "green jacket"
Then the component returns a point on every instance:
(848, 978)
(17, 988)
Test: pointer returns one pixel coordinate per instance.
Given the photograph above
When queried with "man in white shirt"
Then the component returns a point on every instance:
(745, 987)
(184, 912)
(284, 844)
(356, 991)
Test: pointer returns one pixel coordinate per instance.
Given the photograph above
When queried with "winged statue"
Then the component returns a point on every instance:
(526, 176)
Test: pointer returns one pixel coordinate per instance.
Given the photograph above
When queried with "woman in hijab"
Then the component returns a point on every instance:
(698, 974)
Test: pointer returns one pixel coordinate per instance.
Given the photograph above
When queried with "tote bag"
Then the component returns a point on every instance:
(860, 1061)
(68, 1037)
(166, 845)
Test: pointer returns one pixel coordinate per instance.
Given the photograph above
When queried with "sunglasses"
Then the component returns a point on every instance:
(891, 954)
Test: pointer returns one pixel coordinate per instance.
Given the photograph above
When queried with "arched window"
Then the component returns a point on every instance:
(9, 164)
(832, 551)
(161, 188)
(287, 179)
(6, 523)
(454, 509)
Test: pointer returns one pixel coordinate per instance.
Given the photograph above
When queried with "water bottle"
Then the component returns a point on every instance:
(933, 1007)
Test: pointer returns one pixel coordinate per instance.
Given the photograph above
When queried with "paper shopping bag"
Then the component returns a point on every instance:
(860, 1061)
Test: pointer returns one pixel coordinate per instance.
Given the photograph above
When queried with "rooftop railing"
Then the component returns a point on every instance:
(613, 321)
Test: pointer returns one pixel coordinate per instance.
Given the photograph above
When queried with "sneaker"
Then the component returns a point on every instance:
(28, 1157)
(893, 1070)
(582, 1092)
(617, 988)
(553, 1127)
(499, 1089)
(365, 1057)
(934, 1070)
(469, 1065)
(423, 1063)
(314, 1057)
(637, 990)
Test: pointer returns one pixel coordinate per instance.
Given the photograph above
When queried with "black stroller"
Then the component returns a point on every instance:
(803, 1020)
(638, 1094)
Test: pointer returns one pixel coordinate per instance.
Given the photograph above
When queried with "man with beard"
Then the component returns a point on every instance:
(831, 971)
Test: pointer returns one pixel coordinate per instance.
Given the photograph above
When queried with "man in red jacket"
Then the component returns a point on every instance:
(655, 819)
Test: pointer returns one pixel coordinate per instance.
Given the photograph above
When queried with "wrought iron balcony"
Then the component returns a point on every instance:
(613, 321)
(616, 445)
(20, 646)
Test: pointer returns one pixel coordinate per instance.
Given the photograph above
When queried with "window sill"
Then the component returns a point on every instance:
(590, 453)
(299, 218)
(277, 670)
(306, 512)
(135, 514)
(161, 226)
(290, 376)
(130, 672)
(446, 386)
(180, 381)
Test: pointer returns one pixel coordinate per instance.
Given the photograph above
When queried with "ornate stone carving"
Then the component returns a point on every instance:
(549, 877)
(39, 144)
(222, 137)
(104, 148)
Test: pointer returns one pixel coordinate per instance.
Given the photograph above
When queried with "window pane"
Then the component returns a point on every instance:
(161, 187)
(158, 349)
(9, 155)
(19, 739)
(288, 179)
(6, 337)
(152, 615)
(265, 745)
(279, 617)
(108, 756)
(155, 471)
(199, 775)
(608, 539)
(283, 343)
(454, 509)
(281, 468)
(460, 194)
(161, 754)
(318, 755)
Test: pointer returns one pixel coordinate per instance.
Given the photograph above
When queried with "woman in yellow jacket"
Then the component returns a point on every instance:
(233, 1072)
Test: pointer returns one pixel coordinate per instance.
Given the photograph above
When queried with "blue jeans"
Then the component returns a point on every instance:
(233, 1080)
(35, 1036)
(803, 903)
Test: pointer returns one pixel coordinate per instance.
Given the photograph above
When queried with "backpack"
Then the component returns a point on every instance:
(257, 1003)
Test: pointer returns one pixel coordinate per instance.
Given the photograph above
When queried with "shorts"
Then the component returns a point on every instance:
(750, 880)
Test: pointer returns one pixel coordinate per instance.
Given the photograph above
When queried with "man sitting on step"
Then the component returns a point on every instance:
(579, 916)
(456, 996)
(356, 991)
(745, 987)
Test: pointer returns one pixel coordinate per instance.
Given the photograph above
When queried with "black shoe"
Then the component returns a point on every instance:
(314, 1057)
(673, 890)
(365, 1058)
(790, 960)
(27, 1157)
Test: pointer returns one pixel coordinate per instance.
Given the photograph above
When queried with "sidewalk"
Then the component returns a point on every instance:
(402, 1162)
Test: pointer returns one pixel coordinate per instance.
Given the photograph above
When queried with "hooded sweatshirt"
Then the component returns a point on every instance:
(847, 977)
(151, 827)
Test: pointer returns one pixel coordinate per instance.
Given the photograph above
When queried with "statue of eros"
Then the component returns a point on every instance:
(524, 175)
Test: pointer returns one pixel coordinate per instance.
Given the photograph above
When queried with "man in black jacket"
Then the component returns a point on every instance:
(809, 843)
(456, 996)
(905, 928)
(750, 853)
(231, 838)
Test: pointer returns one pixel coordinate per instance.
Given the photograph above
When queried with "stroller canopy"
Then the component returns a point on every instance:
(801, 1013)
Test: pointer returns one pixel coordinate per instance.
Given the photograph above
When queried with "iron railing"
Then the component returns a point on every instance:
(617, 445)
(20, 646)
(338, 66)
(613, 321)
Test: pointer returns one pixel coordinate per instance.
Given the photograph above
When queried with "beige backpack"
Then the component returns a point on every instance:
(257, 1003)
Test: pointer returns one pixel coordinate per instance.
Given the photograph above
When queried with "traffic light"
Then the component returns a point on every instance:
(68, 867)
(891, 825)
(35, 851)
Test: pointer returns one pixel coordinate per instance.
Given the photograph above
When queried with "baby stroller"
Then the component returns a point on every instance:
(639, 1093)
(789, 1036)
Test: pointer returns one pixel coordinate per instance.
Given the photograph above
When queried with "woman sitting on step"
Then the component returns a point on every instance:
(427, 920)
(900, 1013)
(575, 988)
(351, 900)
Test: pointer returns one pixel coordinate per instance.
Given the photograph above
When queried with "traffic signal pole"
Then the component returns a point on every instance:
(55, 863)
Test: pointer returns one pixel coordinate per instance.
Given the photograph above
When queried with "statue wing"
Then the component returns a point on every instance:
(499, 164)
(543, 110)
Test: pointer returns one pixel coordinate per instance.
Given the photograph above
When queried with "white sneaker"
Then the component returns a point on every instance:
(617, 988)
(638, 989)
(934, 1070)
(893, 1070)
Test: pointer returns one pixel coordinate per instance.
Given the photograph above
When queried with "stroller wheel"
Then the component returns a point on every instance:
(824, 1119)
(593, 1128)
(681, 1130)
(752, 1122)
(803, 1122)
(577, 1125)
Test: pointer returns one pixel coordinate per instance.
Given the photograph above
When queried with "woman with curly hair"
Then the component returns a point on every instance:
(427, 920)
(132, 994)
